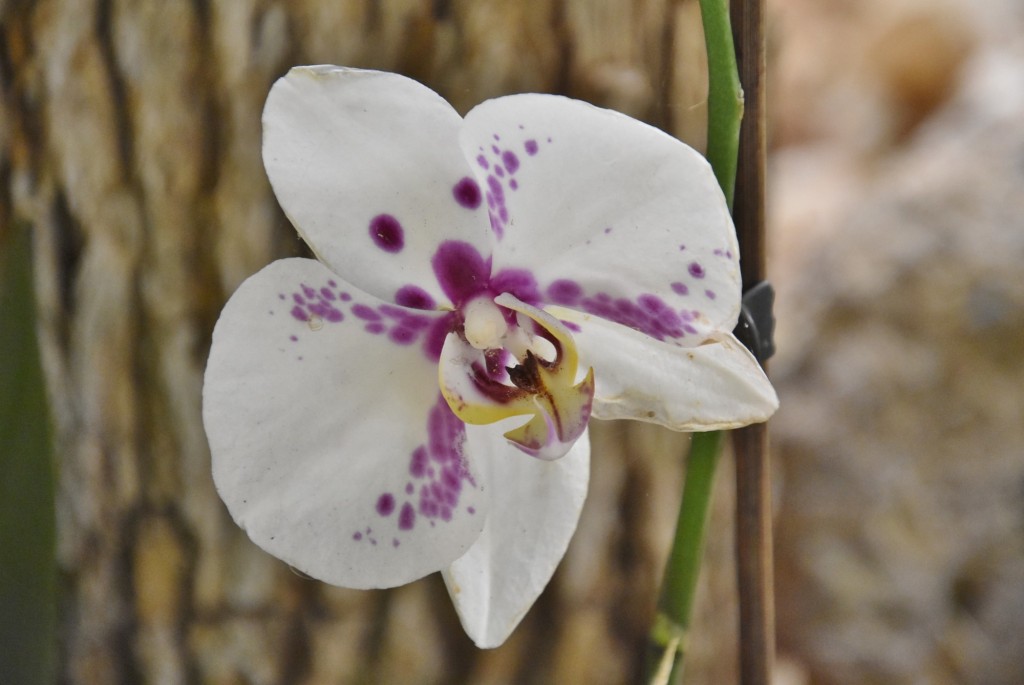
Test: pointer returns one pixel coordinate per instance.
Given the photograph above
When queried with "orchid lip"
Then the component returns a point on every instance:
(542, 382)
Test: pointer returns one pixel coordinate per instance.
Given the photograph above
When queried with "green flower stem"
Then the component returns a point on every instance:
(725, 95)
(679, 589)
(725, 112)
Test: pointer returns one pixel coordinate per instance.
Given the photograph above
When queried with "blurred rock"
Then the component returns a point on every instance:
(901, 435)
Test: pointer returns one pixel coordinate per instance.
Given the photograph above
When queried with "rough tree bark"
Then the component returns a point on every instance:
(130, 142)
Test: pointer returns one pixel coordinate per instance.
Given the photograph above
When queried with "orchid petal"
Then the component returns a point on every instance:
(314, 452)
(533, 515)
(714, 386)
(367, 166)
(610, 215)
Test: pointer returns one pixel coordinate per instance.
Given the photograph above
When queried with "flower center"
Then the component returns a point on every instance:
(481, 388)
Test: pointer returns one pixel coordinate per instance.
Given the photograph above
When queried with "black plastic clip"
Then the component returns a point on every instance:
(756, 326)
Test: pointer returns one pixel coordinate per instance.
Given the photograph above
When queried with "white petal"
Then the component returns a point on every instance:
(714, 386)
(612, 216)
(368, 167)
(331, 444)
(535, 507)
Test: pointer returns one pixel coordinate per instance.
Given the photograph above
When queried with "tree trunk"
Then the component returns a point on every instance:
(130, 142)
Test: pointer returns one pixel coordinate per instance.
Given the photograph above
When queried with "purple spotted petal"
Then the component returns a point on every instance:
(315, 454)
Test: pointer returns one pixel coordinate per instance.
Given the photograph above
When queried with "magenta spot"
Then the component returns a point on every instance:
(309, 292)
(531, 147)
(696, 270)
(332, 284)
(293, 338)
(495, 149)
(385, 504)
(414, 297)
(402, 335)
(510, 160)
(682, 247)
(564, 292)
(407, 517)
(497, 137)
(467, 193)
(357, 536)
(387, 233)
(680, 288)
(409, 488)
(500, 171)
(365, 312)
(503, 214)
(496, 226)
(375, 328)
(434, 340)
(280, 296)
(344, 297)
(608, 230)
(471, 510)
(461, 271)
(298, 299)
(482, 161)
(710, 294)
(496, 189)
(395, 542)
(300, 314)
(418, 465)
(513, 184)
(326, 293)
(519, 282)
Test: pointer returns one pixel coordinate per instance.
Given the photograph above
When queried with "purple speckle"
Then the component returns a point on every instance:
(608, 230)
(387, 233)
(497, 137)
(471, 510)
(513, 184)
(407, 517)
(409, 488)
(344, 297)
(298, 299)
(682, 247)
(467, 193)
(365, 312)
(402, 335)
(696, 270)
(280, 296)
(495, 149)
(309, 292)
(510, 160)
(482, 161)
(531, 147)
(357, 536)
(375, 328)
(395, 542)
(414, 297)
(710, 294)
(461, 270)
(332, 284)
(300, 314)
(293, 338)
(519, 282)
(500, 171)
(680, 288)
(496, 189)
(385, 504)
(333, 315)
(418, 466)
(434, 340)
(564, 292)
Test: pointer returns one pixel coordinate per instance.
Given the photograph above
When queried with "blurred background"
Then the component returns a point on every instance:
(130, 157)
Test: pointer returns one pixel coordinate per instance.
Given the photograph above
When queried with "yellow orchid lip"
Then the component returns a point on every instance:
(481, 389)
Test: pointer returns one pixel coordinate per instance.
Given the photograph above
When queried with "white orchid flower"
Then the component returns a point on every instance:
(417, 398)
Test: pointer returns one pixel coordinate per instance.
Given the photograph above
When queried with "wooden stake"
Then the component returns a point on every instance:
(750, 444)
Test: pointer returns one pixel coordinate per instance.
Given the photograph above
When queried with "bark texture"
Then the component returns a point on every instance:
(130, 141)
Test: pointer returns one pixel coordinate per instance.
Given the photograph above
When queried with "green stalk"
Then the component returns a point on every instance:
(679, 590)
(725, 95)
